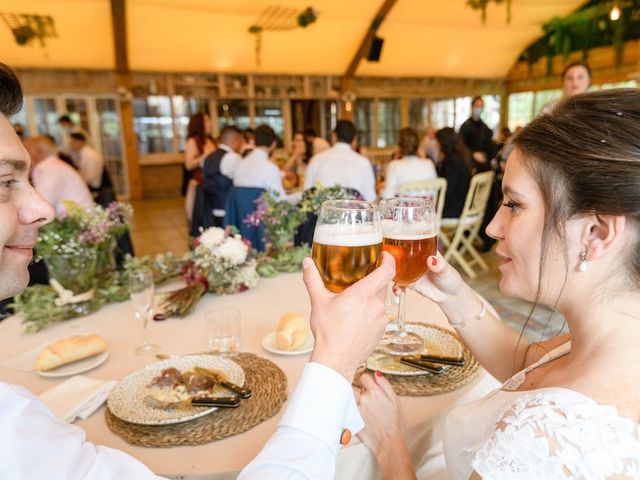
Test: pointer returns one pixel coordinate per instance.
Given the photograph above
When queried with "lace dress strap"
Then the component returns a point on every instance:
(518, 379)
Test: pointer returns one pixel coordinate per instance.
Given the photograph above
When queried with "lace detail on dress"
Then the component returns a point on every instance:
(554, 436)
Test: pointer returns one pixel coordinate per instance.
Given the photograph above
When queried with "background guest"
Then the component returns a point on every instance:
(300, 155)
(249, 135)
(67, 127)
(429, 146)
(410, 168)
(318, 144)
(454, 167)
(576, 78)
(89, 162)
(199, 145)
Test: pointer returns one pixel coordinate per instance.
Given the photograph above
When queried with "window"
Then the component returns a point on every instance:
(628, 84)
(111, 146)
(47, 118)
(269, 112)
(233, 112)
(388, 122)
(442, 113)
(153, 124)
(363, 117)
(331, 112)
(463, 111)
(183, 108)
(76, 108)
(21, 119)
(491, 114)
(543, 97)
(520, 109)
(419, 114)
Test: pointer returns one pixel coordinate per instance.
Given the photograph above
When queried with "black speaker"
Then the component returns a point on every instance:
(375, 49)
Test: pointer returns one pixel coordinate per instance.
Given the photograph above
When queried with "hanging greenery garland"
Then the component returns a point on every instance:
(482, 5)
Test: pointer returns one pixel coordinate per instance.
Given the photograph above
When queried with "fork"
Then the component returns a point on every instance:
(228, 402)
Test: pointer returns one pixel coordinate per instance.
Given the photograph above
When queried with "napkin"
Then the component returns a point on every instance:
(77, 397)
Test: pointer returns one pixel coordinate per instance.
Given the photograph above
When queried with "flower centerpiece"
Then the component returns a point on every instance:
(221, 263)
(313, 198)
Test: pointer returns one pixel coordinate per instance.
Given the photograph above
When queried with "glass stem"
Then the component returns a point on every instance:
(402, 304)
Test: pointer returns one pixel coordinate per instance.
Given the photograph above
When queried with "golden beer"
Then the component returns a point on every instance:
(411, 253)
(342, 257)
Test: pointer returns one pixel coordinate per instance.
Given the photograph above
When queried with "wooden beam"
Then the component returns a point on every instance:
(123, 85)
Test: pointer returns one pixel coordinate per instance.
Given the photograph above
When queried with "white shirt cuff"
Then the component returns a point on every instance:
(323, 405)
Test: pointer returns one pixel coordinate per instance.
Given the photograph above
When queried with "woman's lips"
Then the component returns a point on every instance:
(503, 259)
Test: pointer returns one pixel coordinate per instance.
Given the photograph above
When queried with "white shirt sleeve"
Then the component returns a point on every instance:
(273, 181)
(369, 186)
(228, 164)
(36, 444)
(310, 174)
(306, 442)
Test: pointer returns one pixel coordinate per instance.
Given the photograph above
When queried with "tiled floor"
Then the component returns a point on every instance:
(160, 226)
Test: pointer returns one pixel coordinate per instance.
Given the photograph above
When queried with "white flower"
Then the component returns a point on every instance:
(212, 237)
(233, 250)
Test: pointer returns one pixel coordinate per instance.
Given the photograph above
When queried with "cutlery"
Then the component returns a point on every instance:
(445, 360)
(224, 402)
(223, 382)
(422, 365)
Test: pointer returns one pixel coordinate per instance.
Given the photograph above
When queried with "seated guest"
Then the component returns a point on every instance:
(341, 165)
(199, 145)
(54, 179)
(453, 166)
(87, 160)
(257, 170)
(409, 168)
(249, 135)
(316, 143)
(300, 155)
(218, 170)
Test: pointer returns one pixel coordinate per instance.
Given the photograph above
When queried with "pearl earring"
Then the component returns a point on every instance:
(583, 261)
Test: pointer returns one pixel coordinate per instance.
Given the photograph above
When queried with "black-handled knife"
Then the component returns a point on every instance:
(422, 365)
(455, 361)
(228, 402)
(237, 389)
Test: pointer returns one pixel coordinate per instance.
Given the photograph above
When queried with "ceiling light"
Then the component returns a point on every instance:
(614, 14)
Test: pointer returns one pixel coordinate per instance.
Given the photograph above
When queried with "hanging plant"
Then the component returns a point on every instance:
(482, 5)
(257, 31)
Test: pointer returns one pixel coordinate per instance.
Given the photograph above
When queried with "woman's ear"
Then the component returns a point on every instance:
(602, 233)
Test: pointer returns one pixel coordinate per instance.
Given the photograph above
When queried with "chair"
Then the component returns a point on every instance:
(466, 228)
(435, 189)
(241, 201)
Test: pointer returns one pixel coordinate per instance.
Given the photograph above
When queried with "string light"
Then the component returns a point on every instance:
(614, 14)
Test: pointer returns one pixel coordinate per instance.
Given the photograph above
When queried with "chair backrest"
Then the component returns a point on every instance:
(435, 189)
(478, 195)
(240, 203)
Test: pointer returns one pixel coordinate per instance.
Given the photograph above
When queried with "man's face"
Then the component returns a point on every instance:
(22, 212)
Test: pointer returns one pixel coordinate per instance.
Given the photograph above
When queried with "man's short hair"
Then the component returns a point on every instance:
(10, 91)
(476, 98)
(310, 132)
(229, 130)
(78, 136)
(345, 131)
(64, 119)
(265, 136)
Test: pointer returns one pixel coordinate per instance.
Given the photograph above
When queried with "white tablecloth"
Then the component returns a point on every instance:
(261, 308)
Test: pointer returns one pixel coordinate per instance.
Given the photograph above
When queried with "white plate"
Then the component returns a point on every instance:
(269, 344)
(126, 400)
(75, 368)
(437, 342)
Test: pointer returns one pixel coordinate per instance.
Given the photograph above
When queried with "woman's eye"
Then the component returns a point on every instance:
(511, 205)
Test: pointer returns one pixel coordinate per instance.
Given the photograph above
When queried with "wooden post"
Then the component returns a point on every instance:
(123, 85)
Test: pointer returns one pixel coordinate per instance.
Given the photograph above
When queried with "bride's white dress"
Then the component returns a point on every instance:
(548, 433)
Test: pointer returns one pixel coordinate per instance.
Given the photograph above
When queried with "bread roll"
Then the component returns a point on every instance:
(293, 331)
(70, 350)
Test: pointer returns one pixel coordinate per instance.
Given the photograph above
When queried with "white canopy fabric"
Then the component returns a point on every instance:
(443, 38)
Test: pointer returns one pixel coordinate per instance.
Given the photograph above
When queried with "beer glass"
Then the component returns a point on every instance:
(347, 242)
(409, 233)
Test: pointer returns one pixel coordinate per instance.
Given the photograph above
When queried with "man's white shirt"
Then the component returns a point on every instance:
(407, 169)
(56, 181)
(341, 165)
(258, 171)
(229, 161)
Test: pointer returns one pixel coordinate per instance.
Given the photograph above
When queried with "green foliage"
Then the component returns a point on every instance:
(482, 5)
(289, 261)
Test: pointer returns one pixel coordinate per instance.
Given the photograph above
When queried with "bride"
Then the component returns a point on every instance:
(568, 236)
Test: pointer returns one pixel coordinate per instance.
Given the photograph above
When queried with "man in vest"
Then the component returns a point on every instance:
(217, 171)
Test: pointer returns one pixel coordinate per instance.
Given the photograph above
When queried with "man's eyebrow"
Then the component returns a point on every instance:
(19, 165)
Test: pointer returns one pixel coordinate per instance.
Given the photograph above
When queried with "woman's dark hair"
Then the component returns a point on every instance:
(408, 141)
(196, 130)
(308, 146)
(576, 64)
(10, 91)
(451, 144)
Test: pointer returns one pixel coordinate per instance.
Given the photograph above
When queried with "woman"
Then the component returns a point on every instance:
(199, 145)
(568, 233)
(300, 156)
(410, 167)
(576, 79)
(453, 167)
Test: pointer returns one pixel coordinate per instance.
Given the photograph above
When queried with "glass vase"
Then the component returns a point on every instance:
(77, 274)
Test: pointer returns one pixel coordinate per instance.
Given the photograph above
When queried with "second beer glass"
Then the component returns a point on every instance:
(409, 230)
(347, 242)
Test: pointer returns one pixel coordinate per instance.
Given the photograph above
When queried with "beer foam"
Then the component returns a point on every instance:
(415, 236)
(408, 231)
(347, 235)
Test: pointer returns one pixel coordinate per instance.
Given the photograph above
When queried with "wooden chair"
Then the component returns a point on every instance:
(464, 230)
(435, 189)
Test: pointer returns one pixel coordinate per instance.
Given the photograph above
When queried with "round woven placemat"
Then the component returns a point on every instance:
(432, 384)
(264, 378)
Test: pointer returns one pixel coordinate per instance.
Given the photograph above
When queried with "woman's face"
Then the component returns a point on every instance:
(298, 142)
(518, 227)
(576, 80)
(207, 124)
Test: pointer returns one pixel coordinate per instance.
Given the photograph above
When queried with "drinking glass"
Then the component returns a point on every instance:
(347, 242)
(141, 289)
(409, 233)
(223, 329)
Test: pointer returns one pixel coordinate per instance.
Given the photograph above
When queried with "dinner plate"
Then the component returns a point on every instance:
(269, 344)
(126, 400)
(75, 368)
(437, 342)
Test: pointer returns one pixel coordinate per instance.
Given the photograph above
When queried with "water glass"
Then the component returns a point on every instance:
(223, 329)
(141, 290)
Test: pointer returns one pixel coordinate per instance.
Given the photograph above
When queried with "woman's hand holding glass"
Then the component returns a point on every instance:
(440, 282)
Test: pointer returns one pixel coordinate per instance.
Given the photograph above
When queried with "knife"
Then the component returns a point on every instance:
(231, 402)
(456, 361)
(422, 365)
(220, 380)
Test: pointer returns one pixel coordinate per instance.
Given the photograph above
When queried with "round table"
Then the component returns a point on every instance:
(261, 308)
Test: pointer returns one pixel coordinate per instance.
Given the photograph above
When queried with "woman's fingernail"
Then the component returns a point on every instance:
(306, 263)
(434, 261)
(378, 373)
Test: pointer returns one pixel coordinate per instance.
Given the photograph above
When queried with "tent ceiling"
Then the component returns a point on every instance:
(422, 37)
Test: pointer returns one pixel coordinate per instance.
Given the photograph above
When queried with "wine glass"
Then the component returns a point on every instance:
(347, 242)
(141, 290)
(409, 233)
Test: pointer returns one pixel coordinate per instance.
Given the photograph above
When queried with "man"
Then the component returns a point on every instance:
(341, 165)
(256, 169)
(87, 159)
(54, 179)
(478, 137)
(67, 127)
(218, 170)
(318, 144)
